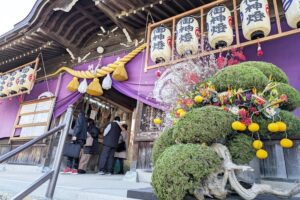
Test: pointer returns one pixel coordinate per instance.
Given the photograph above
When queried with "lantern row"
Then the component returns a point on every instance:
(44, 46)
(255, 20)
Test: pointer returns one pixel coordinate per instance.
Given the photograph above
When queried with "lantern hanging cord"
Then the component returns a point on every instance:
(44, 69)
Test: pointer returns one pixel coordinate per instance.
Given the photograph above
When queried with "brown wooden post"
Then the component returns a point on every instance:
(133, 145)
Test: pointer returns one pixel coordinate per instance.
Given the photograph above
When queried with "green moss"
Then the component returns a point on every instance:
(239, 76)
(292, 94)
(292, 122)
(240, 148)
(164, 141)
(269, 70)
(203, 125)
(181, 169)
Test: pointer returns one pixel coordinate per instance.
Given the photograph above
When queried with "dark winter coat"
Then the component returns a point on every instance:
(94, 132)
(112, 138)
(80, 129)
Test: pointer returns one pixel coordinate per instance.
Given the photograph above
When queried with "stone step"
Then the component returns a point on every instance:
(144, 176)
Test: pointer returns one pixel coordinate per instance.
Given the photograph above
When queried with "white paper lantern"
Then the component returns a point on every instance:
(292, 12)
(219, 25)
(3, 85)
(255, 19)
(161, 44)
(26, 78)
(12, 83)
(187, 36)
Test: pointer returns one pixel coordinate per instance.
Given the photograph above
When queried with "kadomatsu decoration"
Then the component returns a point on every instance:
(228, 118)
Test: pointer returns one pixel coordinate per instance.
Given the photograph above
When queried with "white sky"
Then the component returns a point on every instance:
(12, 12)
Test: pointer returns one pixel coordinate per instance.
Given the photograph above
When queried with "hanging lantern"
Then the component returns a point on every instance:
(255, 19)
(292, 12)
(13, 81)
(3, 85)
(219, 26)
(188, 33)
(26, 78)
(161, 44)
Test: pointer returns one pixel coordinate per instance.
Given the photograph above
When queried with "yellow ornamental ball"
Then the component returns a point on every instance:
(273, 127)
(180, 110)
(157, 121)
(286, 143)
(182, 114)
(242, 127)
(198, 99)
(236, 125)
(253, 127)
(261, 154)
(257, 144)
(281, 126)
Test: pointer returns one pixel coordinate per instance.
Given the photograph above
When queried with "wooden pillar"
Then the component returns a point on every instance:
(135, 129)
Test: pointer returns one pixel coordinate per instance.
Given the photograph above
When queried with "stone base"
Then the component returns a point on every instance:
(147, 194)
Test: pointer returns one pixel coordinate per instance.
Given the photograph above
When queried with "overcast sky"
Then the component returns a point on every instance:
(12, 12)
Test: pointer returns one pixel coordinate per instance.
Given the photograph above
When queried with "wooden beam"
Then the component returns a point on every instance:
(103, 8)
(77, 22)
(179, 5)
(89, 16)
(190, 3)
(58, 39)
(277, 16)
(160, 12)
(170, 9)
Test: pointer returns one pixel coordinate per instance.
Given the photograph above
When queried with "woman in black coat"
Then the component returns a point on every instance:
(88, 151)
(79, 135)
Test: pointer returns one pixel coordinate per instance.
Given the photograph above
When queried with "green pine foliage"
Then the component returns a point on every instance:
(292, 122)
(203, 125)
(292, 94)
(240, 148)
(238, 76)
(181, 169)
(269, 70)
(164, 141)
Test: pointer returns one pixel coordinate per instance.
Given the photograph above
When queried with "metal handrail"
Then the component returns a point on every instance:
(30, 143)
(52, 175)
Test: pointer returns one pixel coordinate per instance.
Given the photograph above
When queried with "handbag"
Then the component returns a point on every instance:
(89, 141)
(72, 150)
(121, 147)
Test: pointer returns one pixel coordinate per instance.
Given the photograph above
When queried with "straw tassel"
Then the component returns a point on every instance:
(120, 74)
(95, 88)
(73, 85)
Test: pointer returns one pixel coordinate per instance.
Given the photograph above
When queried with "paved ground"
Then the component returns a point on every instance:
(69, 187)
(14, 179)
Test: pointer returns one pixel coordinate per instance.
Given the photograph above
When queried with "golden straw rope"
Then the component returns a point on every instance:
(104, 70)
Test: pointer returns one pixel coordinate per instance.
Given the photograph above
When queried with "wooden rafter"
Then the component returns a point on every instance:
(89, 16)
(103, 8)
(179, 5)
(58, 39)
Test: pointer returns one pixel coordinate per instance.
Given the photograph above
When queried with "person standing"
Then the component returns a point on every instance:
(90, 147)
(110, 143)
(79, 136)
(121, 152)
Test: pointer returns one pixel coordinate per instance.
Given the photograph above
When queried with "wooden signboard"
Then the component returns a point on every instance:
(33, 118)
